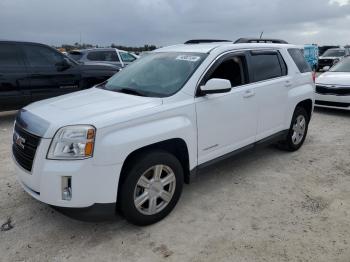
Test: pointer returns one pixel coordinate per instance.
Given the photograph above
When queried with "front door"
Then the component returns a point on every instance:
(47, 77)
(228, 121)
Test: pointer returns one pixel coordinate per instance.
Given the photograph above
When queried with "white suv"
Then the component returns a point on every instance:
(132, 141)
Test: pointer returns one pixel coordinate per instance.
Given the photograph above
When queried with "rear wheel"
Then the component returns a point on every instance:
(152, 187)
(297, 131)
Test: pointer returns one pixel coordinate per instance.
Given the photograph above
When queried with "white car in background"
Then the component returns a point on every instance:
(333, 87)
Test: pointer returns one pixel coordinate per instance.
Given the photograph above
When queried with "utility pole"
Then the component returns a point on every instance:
(261, 35)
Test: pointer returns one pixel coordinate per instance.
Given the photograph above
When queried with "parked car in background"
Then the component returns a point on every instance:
(311, 55)
(104, 55)
(136, 138)
(30, 72)
(333, 87)
(331, 57)
(324, 48)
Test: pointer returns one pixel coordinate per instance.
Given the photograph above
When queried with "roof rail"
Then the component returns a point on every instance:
(200, 41)
(260, 40)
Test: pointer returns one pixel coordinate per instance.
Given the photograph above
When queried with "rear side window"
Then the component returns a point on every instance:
(9, 56)
(267, 65)
(109, 56)
(299, 60)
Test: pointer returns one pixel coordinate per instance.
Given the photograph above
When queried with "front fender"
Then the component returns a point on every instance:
(113, 145)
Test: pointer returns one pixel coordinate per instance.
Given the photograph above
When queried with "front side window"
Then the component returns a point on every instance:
(9, 56)
(266, 66)
(156, 74)
(232, 69)
(126, 57)
(299, 60)
(41, 56)
(108, 56)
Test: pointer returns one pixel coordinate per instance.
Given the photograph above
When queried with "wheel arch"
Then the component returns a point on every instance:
(307, 104)
(175, 146)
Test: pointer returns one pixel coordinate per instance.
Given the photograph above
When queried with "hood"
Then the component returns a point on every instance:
(93, 106)
(334, 78)
(330, 57)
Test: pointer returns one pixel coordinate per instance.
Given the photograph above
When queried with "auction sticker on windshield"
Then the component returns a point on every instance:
(190, 58)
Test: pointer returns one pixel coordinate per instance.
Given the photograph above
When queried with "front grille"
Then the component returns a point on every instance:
(24, 147)
(336, 104)
(337, 91)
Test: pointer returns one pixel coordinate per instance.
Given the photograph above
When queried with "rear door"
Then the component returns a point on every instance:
(269, 74)
(47, 78)
(14, 82)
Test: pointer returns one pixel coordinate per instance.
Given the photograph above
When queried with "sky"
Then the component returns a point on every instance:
(166, 22)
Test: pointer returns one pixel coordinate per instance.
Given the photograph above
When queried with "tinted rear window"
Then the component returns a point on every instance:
(9, 56)
(75, 55)
(267, 66)
(299, 60)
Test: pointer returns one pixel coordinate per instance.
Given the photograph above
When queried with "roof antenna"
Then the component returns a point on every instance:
(261, 35)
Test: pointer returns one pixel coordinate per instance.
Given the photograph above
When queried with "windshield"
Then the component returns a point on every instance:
(342, 66)
(334, 53)
(156, 74)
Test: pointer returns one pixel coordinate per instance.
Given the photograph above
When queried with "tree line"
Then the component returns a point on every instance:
(140, 49)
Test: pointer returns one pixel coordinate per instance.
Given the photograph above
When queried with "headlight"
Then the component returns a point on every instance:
(73, 142)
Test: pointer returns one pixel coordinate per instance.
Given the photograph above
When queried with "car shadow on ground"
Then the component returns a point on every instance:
(332, 111)
(8, 116)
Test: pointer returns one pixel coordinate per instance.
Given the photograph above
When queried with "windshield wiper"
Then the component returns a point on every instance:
(130, 91)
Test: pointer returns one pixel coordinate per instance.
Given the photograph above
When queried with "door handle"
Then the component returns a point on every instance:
(248, 93)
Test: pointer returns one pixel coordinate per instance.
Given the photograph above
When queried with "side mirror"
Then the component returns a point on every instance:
(326, 68)
(216, 86)
(63, 65)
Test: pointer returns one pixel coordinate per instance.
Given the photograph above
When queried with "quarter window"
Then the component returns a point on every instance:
(267, 66)
(299, 60)
(126, 57)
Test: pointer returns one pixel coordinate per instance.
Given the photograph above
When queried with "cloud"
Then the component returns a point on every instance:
(164, 22)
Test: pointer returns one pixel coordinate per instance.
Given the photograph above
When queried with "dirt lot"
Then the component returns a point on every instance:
(265, 206)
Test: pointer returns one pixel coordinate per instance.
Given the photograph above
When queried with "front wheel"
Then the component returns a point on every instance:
(152, 187)
(297, 131)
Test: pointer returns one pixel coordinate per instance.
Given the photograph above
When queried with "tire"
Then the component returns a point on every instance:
(146, 198)
(296, 134)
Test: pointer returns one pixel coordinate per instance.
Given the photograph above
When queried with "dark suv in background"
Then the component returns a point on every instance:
(331, 57)
(30, 72)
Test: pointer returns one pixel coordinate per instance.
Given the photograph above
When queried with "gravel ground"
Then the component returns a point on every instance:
(267, 205)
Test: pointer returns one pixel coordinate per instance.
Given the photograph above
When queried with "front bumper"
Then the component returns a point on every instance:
(332, 101)
(91, 183)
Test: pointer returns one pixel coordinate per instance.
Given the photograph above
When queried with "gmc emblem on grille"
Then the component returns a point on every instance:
(19, 140)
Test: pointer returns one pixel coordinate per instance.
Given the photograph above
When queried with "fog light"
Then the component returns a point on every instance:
(66, 188)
